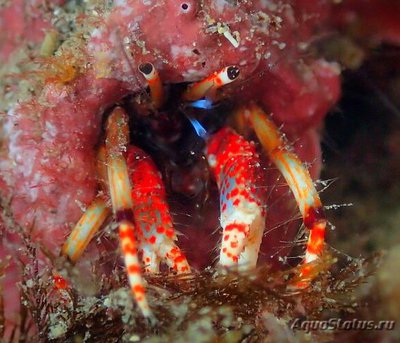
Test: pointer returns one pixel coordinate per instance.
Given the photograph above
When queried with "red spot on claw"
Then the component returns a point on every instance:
(170, 233)
(152, 240)
(179, 259)
(234, 192)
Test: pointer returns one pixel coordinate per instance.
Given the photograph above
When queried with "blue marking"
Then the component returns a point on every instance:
(200, 130)
(205, 104)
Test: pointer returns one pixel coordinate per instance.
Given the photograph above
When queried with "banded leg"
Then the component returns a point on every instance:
(90, 222)
(210, 84)
(238, 173)
(85, 229)
(155, 85)
(133, 267)
(152, 214)
(101, 168)
(299, 181)
(120, 191)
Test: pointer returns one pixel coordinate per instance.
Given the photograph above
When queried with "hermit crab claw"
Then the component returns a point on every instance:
(139, 207)
(237, 170)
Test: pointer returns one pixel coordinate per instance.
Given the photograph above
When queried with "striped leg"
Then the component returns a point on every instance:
(299, 181)
(132, 264)
(210, 84)
(155, 85)
(83, 232)
(90, 222)
(237, 170)
(120, 192)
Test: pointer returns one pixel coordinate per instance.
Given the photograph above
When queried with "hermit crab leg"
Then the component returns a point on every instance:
(238, 173)
(117, 132)
(152, 216)
(93, 218)
(200, 89)
(85, 229)
(300, 182)
(153, 79)
(101, 168)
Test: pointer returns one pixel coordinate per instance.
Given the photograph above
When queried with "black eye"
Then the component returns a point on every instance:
(185, 7)
(233, 72)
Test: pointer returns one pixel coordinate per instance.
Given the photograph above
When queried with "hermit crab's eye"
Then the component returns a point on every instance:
(146, 68)
(232, 72)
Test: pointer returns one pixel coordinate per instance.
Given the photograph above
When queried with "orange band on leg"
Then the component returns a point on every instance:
(155, 85)
(299, 181)
(218, 79)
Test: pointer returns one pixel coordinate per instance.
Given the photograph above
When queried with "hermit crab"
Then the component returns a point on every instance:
(87, 97)
(130, 179)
